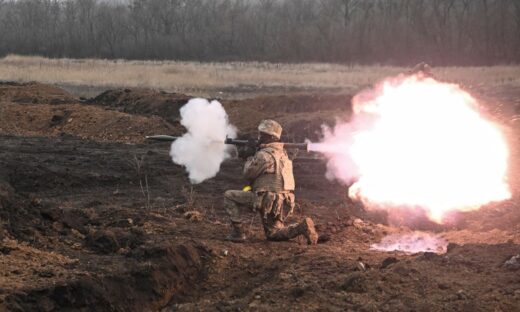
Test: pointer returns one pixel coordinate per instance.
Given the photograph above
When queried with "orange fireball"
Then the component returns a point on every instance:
(416, 142)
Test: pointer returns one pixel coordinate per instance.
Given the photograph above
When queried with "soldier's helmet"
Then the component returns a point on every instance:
(270, 127)
(422, 68)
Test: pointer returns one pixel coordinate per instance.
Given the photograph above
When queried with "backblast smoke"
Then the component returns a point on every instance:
(201, 149)
(418, 144)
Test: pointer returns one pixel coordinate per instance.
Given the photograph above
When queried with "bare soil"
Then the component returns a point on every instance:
(301, 114)
(92, 218)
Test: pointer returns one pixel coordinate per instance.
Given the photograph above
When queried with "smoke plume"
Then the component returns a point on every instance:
(201, 149)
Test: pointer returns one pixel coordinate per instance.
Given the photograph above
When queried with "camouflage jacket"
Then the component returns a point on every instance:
(270, 169)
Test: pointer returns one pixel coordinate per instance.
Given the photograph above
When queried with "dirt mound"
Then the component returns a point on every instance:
(145, 281)
(34, 93)
(302, 115)
(84, 121)
(6, 207)
(290, 104)
(344, 274)
(20, 217)
(142, 102)
(66, 255)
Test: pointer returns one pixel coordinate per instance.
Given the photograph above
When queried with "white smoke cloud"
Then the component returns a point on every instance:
(336, 146)
(201, 149)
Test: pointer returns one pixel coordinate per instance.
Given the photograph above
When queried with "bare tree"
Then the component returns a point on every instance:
(351, 31)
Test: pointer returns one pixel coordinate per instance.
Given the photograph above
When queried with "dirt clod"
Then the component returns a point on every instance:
(513, 264)
(194, 216)
(46, 274)
(103, 241)
(356, 283)
(388, 261)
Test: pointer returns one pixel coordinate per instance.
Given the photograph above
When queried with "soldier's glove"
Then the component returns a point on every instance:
(252, 143)
(245, 152)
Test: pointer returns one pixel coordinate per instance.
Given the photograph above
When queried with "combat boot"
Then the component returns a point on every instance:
(237, 234)
(307, 229)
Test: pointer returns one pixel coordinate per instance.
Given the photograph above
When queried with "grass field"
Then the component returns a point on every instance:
(236, 79)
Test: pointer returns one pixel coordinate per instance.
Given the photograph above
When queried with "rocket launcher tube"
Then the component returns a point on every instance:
(250, 143)
(162, 137)
(255, 143)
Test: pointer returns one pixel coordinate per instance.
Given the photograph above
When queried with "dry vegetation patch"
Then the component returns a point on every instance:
(219, 79)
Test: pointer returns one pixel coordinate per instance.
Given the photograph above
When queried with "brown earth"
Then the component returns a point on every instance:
(302, 115)
(93, 219)
(86, 122)
(33, 92)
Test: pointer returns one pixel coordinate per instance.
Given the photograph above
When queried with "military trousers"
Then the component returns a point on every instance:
(271, 207)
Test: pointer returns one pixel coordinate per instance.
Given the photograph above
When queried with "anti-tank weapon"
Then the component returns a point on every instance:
(255, 144)
(251, 143)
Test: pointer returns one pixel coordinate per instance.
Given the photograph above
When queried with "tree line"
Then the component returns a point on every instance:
(396, 32)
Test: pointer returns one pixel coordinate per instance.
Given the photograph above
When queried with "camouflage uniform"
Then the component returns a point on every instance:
(271, 173)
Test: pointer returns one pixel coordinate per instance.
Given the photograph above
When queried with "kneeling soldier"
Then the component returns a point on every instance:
(270, 172)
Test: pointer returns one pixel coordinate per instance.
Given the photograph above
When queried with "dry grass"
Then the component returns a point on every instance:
(210, 78)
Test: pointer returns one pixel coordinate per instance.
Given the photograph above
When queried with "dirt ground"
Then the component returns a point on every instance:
(93, 218)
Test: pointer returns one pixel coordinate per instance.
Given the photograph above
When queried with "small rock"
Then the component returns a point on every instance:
(46, 274)
(323, 238)
(284, 276)
(461, 295)
(124, 251)
(57, 226)
(6, 250)
(443, 286)
(118, 193)
(103, 241)
(194, 216)
(361, 266)
(368, 230)
(358, 223)
(77, 234)
(122, 223)
(355, 283)
(513, 264)
(225, 252)
(429, 256)
(388, 261)
(298, 292)
(257, 297)
(56, 119)
(75, 219)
